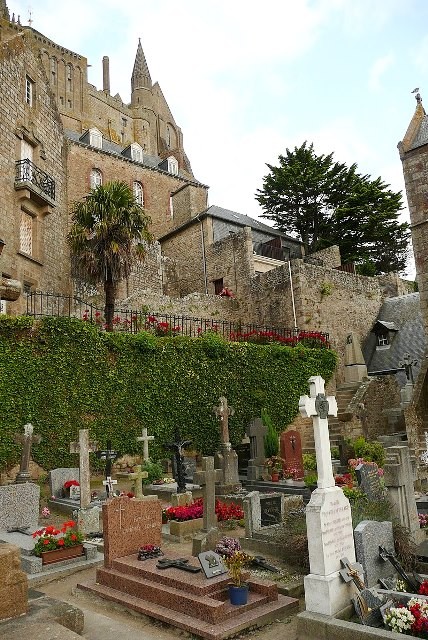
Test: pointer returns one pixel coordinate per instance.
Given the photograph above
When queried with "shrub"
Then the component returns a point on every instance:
(154, 470)
(309, 462)
(370, 451)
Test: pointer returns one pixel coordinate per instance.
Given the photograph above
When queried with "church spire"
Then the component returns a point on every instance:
(4, 11)
(141, 75)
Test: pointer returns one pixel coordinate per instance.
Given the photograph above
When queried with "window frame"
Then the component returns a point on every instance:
(95, 172)
(29, 91)
(138, 191)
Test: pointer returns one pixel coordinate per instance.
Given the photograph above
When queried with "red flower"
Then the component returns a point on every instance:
(46, 541)
(60, 542)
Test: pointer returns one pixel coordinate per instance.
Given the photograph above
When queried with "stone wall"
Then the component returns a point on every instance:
(38, 125)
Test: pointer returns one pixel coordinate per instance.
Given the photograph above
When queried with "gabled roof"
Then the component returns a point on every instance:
(245, 221)
(403, 316)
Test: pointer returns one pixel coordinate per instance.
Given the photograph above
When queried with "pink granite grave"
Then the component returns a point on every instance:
(291, 452)
(129, 524)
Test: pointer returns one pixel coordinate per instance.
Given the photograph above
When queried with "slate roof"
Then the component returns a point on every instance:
(116, 149)
(404, 315)
(421, 137)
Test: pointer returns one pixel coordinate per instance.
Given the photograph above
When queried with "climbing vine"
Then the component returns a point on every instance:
(62, 375)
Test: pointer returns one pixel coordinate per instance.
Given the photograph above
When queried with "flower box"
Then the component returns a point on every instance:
(49, 557)
(185, 528)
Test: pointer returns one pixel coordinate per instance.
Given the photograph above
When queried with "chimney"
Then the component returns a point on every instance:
(106, 74)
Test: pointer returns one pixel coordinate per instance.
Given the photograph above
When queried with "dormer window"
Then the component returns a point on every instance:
(136, 152)
(382, 340)
(384, 332)
(95, 138)
(172, 166)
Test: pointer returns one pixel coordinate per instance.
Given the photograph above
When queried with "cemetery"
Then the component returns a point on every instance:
(217, 508)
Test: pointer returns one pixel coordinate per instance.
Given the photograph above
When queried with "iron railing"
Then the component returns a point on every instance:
(27, 171)
(40, 304)
(269, 251)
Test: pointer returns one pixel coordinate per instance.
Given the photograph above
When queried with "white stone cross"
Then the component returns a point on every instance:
(145, 439)
(318, 407)
(108, 483)
(84, 447)
(223, 411)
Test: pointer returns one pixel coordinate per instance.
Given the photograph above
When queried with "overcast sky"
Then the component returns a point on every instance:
(245, 80)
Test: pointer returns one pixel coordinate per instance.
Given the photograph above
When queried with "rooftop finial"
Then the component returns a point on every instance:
(141, 75)
(418, 95)
(30, 17)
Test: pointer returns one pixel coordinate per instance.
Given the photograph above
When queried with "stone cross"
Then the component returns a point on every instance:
(145, 439)
(352, 571)
(256, 432)
(108, 483)
(207, 479)
(318, 407)
(84, 447)
(26, 439)
(223, 411)
(408, 363)
(138, 476)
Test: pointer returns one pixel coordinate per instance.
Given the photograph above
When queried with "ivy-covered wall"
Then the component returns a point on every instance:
(63, 375)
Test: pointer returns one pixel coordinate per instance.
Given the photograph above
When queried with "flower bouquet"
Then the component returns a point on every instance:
(50, 538)
(274, 463)
(226, 547)
(71, 483)
(148, 551)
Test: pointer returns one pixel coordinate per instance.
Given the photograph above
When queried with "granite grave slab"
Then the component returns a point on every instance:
(19, 506)
(368, 535)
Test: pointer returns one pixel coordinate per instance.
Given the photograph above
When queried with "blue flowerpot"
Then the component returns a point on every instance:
(238, 595)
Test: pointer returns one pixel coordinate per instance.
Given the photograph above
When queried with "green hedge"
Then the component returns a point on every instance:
(63, 375)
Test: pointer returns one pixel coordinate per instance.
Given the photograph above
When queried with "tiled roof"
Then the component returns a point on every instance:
(245, 221)
(421, 137)
(404, 315)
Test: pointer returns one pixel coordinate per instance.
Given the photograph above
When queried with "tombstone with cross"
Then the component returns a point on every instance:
(26, 439)
(84, 447)
(328, 515)
(207, 479)
(256, 432)
(109, 455)
(226, 459)
(138, 476)
(145, 439)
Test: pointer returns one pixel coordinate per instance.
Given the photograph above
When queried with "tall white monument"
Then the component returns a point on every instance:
(328, 515)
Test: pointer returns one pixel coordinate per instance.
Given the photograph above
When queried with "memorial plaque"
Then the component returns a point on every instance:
(369, 481)
(270, 511)
(212, 564)
(243, 453)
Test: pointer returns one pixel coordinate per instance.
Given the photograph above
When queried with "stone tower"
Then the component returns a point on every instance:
(414, 157)
(4, 11)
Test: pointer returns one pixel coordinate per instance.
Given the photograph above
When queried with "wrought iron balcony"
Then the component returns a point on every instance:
(28, 172)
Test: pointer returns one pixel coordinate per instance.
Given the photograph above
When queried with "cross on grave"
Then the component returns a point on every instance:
(108, 455)
(26, 439)
(318, 407)
(179, 469)
(408, 363)
(352, 571)
(84, 447)
(223, 411)
(145, 439)
(414, 581)
(138, 476)
(256, 432)
(179, 563)
(108, 483)
(121, 509)
(207, 479)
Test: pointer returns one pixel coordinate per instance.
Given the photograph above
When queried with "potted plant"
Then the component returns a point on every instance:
(55, 544)
(274, 465)
(68, 487)
(238, 589)
(291, 475)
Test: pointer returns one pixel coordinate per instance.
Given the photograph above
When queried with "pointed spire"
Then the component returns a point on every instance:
(141, 75)
(4, 11)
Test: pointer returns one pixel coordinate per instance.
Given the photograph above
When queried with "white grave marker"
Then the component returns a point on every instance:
(328, 515)
(145, 439)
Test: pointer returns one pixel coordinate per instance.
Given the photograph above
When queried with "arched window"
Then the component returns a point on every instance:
(138, 193)
(69, 71)
(54, 67)
(173, 166)
(168, 136)
(96, 178)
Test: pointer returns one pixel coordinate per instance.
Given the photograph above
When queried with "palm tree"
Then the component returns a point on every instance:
(109, 233)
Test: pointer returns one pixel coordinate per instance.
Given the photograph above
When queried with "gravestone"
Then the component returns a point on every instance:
(244, 455)
(399, 477)
(19, 506)
(212, 564)
(328, 515)
(369, 481)
(291, 452)
(84, 447)
(263, 510)
(128, 525)
(256, 432)
(57, 478)
(26, 439)
(368, 535)
(13, 583)
(226, 459)
(189, 463)
(145, 439)
(355, 366)
(207, 539)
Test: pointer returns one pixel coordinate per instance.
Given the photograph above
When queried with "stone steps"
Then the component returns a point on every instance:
(190, 601)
